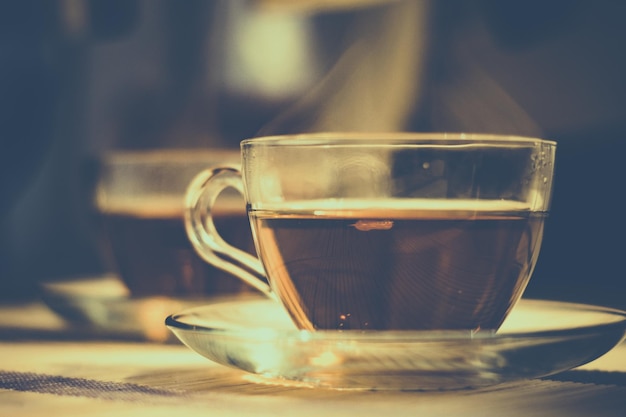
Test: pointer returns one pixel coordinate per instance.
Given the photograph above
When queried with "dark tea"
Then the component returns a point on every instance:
(152, 254)
(410, 264)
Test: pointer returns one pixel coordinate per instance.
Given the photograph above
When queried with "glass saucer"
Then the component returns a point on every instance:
(101, 306)
(538, 338)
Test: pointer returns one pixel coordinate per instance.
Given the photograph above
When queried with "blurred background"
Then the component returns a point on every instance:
(79, 78)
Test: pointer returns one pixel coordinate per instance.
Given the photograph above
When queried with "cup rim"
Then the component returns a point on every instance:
(391, 138)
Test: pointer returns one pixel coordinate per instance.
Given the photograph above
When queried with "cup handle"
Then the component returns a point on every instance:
(200, 198)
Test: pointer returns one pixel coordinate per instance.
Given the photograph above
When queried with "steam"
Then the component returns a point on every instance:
(373, 84)
(384, 80)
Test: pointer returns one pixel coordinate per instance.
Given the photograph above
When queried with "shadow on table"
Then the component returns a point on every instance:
(590, 377)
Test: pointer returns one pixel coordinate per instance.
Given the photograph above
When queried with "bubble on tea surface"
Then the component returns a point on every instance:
(367, 225)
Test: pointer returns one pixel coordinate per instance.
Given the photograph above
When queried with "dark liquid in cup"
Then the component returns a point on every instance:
(399, 268)
(153, 255)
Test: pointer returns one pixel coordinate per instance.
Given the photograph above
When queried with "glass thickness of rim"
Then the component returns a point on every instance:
(392, 139)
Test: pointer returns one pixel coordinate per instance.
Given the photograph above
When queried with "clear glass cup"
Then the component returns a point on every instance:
(384, 231)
